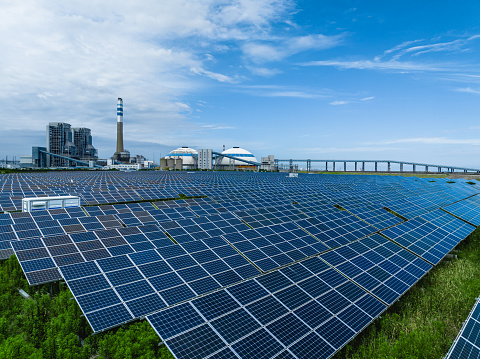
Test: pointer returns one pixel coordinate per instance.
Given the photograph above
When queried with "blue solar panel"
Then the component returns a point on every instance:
(467, 344)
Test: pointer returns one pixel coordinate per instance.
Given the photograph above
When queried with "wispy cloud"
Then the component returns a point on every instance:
(367, 98)
(449, 46)
(263, 71)
(390, 59)
(215, 76)
(377, 65)
(338, 103)
(468, 90)
(278, 49)
(218, 127)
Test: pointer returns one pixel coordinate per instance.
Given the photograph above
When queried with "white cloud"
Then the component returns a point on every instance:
(262, 71)
(338, 103)
(218, 127)
(213, 75)
(297, 94)
(468, 90)
(69, 61)
(376, 65)
(280, 48)
(367, 98)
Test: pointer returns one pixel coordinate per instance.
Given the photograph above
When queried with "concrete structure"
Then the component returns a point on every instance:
(172, 164)
(186, 154)
(268, 163)
(205, 159)
(82, 139)
(120, 155)
(60, 142)
(231, 162)
(65, 141)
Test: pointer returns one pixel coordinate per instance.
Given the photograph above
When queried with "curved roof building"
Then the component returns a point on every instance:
(184, 153)
(239, 153)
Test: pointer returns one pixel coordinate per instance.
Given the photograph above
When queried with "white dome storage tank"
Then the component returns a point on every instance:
(186, 154)
(237, 152)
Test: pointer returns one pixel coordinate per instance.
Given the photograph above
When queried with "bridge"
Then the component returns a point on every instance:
(359, 166)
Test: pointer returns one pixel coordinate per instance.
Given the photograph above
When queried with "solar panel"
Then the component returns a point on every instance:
(271, 315)
(381, 267)
(424, 238)
(250, 261)
(467, 343)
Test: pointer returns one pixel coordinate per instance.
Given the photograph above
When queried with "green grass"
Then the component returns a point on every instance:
(426, 321)
(50, 325)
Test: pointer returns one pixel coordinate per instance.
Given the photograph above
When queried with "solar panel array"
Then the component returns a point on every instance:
(467, 344)
(262, 266)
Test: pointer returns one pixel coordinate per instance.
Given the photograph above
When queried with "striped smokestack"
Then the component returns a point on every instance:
(120, 126)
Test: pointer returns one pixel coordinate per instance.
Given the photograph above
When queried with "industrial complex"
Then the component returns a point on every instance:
(72, 147)
(69, 147)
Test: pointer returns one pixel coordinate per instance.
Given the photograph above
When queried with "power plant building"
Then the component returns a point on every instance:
(230, 163)
(186, 154)
(82, 139)
(66, 141)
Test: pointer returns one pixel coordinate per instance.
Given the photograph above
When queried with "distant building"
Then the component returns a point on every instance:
(268, 163)
(66, 141)
(186, 154)
(82, 139)
(231, 162)
(205, 159)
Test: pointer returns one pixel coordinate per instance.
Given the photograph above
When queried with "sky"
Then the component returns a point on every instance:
(385, 80)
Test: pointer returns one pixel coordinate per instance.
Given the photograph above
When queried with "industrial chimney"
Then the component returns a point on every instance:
(119, 126)
(121, 155)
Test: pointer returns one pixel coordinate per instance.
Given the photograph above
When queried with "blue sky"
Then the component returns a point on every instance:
(392, 80)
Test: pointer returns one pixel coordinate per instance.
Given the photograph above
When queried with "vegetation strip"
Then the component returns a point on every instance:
(50, 325)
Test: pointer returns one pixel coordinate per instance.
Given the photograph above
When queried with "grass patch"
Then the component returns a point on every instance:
(426, 321)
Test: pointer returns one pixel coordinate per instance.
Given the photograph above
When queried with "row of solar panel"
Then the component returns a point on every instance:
(306, 310)
(467, 343)
(268, 247)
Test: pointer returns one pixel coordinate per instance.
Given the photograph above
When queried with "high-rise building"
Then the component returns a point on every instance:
(82, 139)
(60, 142)
(66, 141)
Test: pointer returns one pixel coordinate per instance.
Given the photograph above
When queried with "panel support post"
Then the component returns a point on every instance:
(414, 168)
(363, 166)
(401, 167)
(355, 166)
(376, 166)
(345, 166)
(388, 167)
